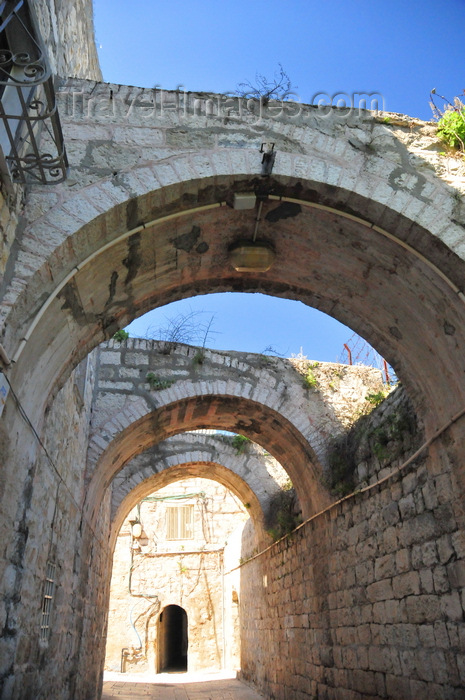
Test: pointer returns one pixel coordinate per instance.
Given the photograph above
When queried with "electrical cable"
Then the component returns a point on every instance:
(185, 496)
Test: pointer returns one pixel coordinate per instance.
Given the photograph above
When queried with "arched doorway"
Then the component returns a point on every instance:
(172, 640)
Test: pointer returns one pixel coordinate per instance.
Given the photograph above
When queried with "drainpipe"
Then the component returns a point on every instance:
(4, 359)
(124, 653)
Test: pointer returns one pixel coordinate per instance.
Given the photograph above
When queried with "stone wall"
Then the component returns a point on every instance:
(365, 600)
(51, 531)
(385, 439)
(188, 573)
(10, 207)
(379, 441)
(367, 222)
(67, 30)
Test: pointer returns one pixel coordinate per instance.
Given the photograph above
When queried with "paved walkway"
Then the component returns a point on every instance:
(176, 686)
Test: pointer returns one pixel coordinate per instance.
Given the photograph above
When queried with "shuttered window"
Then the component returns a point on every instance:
(180, 523)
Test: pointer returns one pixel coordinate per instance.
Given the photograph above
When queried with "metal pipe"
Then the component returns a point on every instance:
(223, 611)
(4, 359)
(378, 229)
(124, 653)
(349, 353)
(257, 220)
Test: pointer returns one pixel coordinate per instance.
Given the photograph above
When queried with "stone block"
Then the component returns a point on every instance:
(420, 529)
(7, 645)
(441, 635)
(458, 542)
(137, 359)
(407, 507)
(461, 667)
(364, 682)
(445, 518)
(379, 660)
(406, 584)
(426, 581)
(116, 386)
(380, 590)
(390, 540)
(110, 358)
(392, 611)
(445, 549)
(129, 373)
(440, 579)
(391, 514)
(385, 566)
(429, 554)
(451, 606)
(426, 635)
(402, 561)
(364, 573)
(424, 669)
(420, 609)
(456, 573)
(430, 497)
(444, 488)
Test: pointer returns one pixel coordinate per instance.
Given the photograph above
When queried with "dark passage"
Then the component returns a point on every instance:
(172, 640)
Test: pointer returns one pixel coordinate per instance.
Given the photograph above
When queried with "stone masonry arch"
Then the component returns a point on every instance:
(185, 469)
(263, 397)
(389, 206)
(366, 227)
(246, 472)
(257, 422)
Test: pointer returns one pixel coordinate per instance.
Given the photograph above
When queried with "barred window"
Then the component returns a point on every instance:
(180, 523)
(49, 590)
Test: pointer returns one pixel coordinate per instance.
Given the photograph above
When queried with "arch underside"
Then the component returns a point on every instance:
(233, 414)
(385, 292)
(256, 472)
(187, 470)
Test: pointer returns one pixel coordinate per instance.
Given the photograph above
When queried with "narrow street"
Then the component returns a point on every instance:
(176, 686)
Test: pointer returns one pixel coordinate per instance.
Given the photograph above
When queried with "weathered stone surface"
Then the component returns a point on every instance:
(366, 220)
(196, 574)
(397, 641)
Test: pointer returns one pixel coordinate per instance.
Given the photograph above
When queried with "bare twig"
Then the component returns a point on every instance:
(279, 88)
(182, 328)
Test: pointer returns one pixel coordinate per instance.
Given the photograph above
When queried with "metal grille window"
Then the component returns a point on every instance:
(31, 140)
(47, 602)
(180, 523)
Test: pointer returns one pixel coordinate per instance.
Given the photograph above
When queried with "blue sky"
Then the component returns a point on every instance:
(397, 49)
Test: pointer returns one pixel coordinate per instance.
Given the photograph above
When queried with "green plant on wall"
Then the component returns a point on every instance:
(121, 335)
(341, 462)
(239, 442)
(376, 398)
(158, 384)
(451, 128)
(182, 568)
(283, 515)
(310, 380)
(199, 357)
(451, 120)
